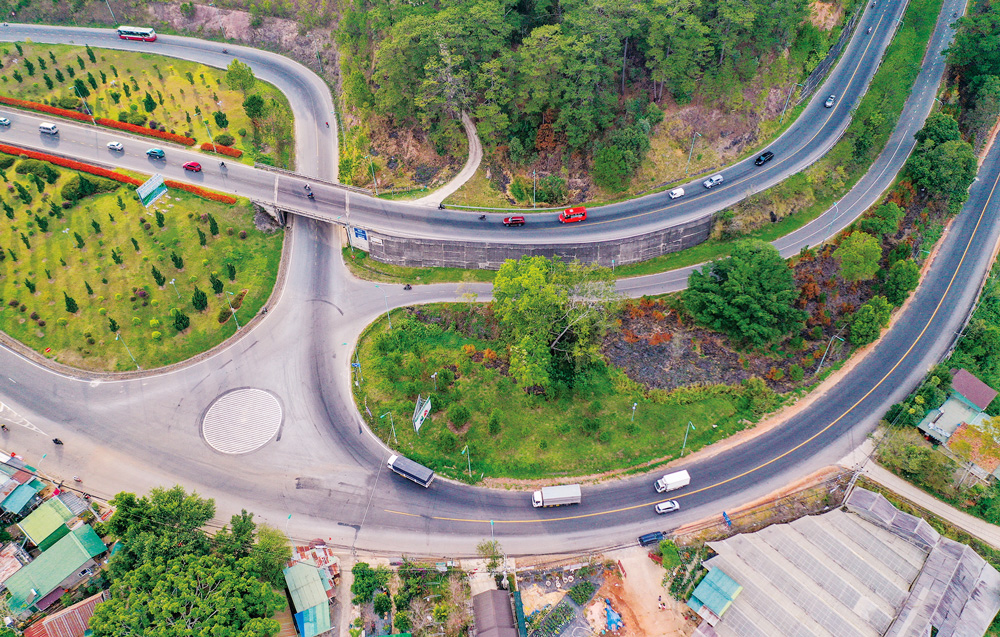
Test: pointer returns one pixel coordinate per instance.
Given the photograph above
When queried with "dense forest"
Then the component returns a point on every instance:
(577, 78)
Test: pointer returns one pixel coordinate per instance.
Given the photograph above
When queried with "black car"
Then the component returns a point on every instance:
(765, 157)
(651, 538)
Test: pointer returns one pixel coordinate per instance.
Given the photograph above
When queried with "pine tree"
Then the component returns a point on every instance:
(158, 277)
(112, 325)
(97, 226)
(90, 290)
(199, 299)
(231, 271)
(159, 219)
(213, 227)
(90, 54)
(178, 261)
(71, 305)
(216, 283)
(181, 321)
(202, 239)
(24, 240)
(135, 244)
(31, 286)
(79, 240)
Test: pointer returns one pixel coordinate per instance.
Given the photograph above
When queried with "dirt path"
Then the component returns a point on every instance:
(464, 175)
(637, 597)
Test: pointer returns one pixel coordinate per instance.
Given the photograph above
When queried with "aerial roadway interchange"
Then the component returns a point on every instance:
(323, 475)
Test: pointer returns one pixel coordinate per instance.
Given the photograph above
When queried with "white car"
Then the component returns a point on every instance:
(4, 121)
(116, 146)
(676, 193)
(712, 181)
(667, 507)
(830, 101)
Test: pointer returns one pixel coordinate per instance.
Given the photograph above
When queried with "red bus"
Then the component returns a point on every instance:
(137, 33)
(570, 215)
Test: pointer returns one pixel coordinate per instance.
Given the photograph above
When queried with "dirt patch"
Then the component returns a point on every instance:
(825, 15)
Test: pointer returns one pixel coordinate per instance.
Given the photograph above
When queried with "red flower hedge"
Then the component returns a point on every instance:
(71, 164)
(222, 150)
(110, 174)
(45, 108)
(142, 130)
(82, 117)
(201, 192)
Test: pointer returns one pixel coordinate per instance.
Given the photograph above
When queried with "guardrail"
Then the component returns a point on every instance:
(292, 173)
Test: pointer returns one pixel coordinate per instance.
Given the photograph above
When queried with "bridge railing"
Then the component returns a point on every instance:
(292, 173)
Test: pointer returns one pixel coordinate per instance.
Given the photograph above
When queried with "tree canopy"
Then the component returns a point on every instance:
(942, 162)
(171, 579)
(553, 315)
(748, 295)
(859, 254)
(868, 321)
(240, 77)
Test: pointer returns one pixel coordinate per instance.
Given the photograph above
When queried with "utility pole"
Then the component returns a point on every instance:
(790, 91)
(691, 152)
(686, 430)
(392, 425)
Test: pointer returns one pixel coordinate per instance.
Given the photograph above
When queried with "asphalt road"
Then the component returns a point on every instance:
(326, 472)
(813, 133)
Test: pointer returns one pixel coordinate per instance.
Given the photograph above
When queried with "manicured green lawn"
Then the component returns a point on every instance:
(177, 88)
(125, 292)
(583, 430)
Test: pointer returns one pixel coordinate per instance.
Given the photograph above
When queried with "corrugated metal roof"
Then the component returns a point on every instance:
(717, 591)
(53, 566)
(305, 585)
(493, 614)
(10, 561)
(43, 521)
(69, 622)
(73, 502)
(19, 498)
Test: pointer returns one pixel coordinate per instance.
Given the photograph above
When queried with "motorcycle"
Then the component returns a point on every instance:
(482, 217)
(407, 287)
(310, 195)
(57, 441)
(869, 29)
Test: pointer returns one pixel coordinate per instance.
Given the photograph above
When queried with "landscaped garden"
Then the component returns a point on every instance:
(83, 265)
(156, 93)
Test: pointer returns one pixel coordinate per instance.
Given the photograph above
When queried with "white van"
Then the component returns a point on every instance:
(48, 128)
(676, 193)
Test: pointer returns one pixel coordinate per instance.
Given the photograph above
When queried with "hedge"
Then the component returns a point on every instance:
(222, 150)
(110, 174)
(82, 117)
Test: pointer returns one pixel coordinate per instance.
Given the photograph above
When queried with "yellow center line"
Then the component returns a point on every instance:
(920, 336)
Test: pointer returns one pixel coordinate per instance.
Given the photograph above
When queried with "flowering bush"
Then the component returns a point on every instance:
(222, 150)
(45, 108)
(142, 130)
(201, 192)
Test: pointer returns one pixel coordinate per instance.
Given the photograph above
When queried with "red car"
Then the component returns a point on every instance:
(570, 215)
(516, 220)
(193, 166)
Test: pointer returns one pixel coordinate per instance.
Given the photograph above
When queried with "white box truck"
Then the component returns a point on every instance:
(672, 481)
(411, 470)
(557, 496)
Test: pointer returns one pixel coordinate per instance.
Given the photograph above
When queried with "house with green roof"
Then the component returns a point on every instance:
(46, 525)
(310, 598)
(64, 564)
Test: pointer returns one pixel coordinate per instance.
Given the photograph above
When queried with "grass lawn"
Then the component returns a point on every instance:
(581, 430)
(118, 81)
(55, 265)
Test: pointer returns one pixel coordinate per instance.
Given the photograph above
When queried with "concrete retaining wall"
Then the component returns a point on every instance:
(490, 256)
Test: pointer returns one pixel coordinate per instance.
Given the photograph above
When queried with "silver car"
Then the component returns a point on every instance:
(667, 507)
(712, 181)
(829, 101)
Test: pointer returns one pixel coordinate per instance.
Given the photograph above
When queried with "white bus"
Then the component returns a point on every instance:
(137, 33)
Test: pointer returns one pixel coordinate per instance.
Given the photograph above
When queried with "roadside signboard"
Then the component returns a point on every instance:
(422, 410)
(153, 189)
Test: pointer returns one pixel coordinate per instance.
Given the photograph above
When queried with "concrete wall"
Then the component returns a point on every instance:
(490, 256)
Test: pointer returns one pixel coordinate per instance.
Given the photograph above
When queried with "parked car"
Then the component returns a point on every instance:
(765, 157)
(676, 193)
(155, 153)
(667, 507)
(712, 181)
(830, 101)
(193, 166)
(116, 146)
(516, 220)
(651, 538)
(570, 215)
(4, 121)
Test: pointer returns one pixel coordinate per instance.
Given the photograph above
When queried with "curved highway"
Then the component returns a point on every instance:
(324, 475)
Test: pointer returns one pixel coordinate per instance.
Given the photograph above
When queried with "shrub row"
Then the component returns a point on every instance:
(103, 121)
(110, 174)
(222, 150)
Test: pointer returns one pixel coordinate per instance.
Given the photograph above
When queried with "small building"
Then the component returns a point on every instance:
(46, 525)
(69, 622)
(12, 558)
(493, 614)
(966, 404)
(970, 390)
(63, 565)
(22, 496)
(310, 593)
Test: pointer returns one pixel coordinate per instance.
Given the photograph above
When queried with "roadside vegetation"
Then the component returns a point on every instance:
(83, 265)
(417, 598)
(169, 577)
(528, 75)
(156, 93)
